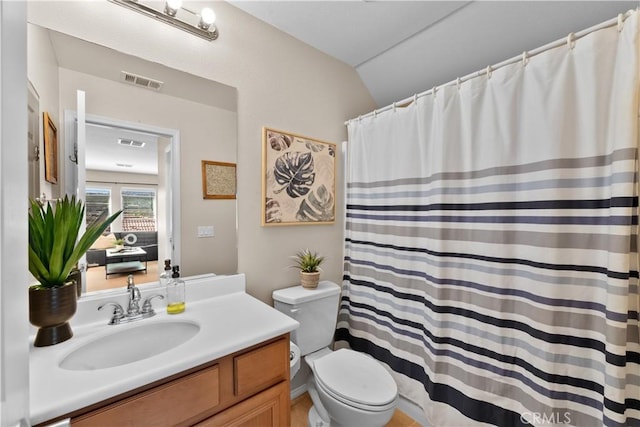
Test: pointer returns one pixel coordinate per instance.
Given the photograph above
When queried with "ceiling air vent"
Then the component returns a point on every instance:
(131, 143)
(142, 81)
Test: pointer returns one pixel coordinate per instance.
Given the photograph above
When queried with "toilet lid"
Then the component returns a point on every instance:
(355, 377)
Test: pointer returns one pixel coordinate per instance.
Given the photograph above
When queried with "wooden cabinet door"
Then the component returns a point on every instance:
(169, 404)
(269, 408)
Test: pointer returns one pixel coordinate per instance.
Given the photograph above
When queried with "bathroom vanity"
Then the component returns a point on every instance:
(233, 370)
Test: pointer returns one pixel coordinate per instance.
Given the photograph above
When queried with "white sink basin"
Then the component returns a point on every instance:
(129, 345)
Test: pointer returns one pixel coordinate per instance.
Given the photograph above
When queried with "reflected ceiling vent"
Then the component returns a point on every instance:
(142, 81)
(131, 143)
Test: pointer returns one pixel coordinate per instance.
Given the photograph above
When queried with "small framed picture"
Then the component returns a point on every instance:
(50, 150)
(298, 179)
(218, 180)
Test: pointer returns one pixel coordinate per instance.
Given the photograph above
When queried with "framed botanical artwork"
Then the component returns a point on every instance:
(50, 149)
(298, 179)
(218, 180)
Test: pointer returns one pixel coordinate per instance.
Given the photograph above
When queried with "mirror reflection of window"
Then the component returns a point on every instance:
(97, 204)
(139, 210)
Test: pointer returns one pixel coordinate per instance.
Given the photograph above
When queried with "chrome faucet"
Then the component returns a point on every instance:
(134, 298)
(134, 312)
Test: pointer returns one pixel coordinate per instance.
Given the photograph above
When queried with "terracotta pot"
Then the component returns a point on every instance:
(50, 311)
(309, 280)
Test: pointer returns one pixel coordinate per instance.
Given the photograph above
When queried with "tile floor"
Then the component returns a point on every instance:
(300, 407)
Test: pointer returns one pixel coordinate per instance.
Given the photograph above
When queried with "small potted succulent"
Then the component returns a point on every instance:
(119, 244)
(55, 248)
(309, 265)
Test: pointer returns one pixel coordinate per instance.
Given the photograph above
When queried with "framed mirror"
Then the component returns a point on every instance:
(131, 102)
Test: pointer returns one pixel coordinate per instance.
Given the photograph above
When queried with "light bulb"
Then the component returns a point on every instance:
(172, 6)
(207, 18)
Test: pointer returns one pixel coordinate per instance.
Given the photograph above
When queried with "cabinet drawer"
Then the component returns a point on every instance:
(169, 404)
(260, 368)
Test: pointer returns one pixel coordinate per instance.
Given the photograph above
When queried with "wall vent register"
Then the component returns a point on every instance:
(138, 80)
(131, 142)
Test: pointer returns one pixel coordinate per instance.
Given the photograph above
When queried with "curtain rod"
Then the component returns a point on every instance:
(524, 57)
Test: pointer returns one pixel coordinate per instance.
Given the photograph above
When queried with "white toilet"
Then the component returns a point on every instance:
(347, 388)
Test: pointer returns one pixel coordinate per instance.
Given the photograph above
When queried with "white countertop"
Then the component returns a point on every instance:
(230, 320)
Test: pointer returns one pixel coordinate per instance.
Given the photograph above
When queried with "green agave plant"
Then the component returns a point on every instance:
(307, 261)
(54, 248)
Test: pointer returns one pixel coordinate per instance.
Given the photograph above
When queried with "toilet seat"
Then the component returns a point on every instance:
(356, 379)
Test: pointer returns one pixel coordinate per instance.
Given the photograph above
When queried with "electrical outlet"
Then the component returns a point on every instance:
(205, 231)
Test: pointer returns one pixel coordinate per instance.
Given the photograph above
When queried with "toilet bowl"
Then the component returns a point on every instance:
(294, 359)
(347, 388)
(350, 389)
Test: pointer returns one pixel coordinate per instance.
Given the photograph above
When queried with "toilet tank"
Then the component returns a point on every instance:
(315, 309)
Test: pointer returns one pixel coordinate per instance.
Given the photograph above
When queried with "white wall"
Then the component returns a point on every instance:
(14, 345)
(282, 83)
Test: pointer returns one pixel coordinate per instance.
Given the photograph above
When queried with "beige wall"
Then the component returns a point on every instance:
(43, 74)
(282, 83)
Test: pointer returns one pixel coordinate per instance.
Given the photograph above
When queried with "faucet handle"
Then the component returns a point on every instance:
(147, 307)
(118, 312)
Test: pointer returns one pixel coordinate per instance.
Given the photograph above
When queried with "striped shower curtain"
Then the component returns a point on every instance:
(491, 254)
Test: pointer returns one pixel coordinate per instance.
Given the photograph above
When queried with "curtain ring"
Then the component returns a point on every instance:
(620, 22)
(394, 107)
(489, 72)
(433, 92)
(458, 83)
(359, 119)
(525, 58)
(415, 98)
(571, 40)
(375, 114)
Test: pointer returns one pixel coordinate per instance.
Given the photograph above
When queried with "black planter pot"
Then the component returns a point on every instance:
(50, 310)
(76, 276)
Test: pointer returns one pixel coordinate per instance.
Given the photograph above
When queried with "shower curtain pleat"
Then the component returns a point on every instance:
(491, 256)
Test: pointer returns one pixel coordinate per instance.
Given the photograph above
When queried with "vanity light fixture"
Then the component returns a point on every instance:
(171, 7)
(176, 15)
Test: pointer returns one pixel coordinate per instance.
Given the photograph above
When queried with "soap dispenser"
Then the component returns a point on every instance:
(165, 276)
(175, 293)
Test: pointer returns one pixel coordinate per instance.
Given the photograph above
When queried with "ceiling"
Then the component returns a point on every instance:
(400, 48)
(100, 61)
(105, 152)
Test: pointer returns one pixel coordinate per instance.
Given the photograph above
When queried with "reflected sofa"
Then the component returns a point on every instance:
(147, 240)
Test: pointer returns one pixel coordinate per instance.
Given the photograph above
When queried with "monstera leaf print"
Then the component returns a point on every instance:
(278, 141)
(298, 179)
(317, 207)
(312, 146)
(272, 212)
(294, 172)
